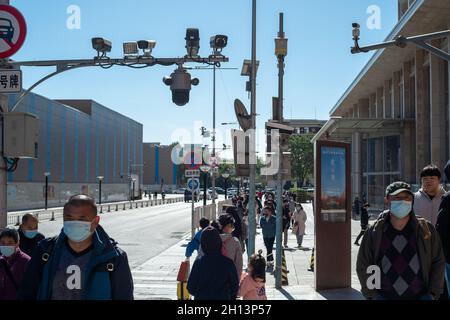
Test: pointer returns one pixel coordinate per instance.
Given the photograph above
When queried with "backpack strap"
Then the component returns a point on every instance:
(9, 273)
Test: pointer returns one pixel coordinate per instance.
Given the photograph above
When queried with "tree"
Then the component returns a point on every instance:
(302, 157)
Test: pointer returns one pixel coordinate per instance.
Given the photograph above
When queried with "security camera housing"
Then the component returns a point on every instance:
(101, 45)
(218, 42)
(192, 42)
(147, 44)
(180, 84)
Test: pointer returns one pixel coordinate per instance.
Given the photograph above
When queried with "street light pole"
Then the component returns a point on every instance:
(280, 51)
(46, 174)
(251, 203)
(213, 177)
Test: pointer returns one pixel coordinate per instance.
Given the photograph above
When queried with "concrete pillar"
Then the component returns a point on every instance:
(408, 152)
(422, 115)
(373, 106)
(407, 98)
(363, 108)
(355, 111)
(396, 91)
(380, 103)
(438, 112)
(356, 165)
(387, 100)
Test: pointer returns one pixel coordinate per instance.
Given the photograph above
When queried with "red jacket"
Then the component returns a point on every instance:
(17, 264)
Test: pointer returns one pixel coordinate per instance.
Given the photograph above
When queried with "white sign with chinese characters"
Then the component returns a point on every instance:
(10, 81)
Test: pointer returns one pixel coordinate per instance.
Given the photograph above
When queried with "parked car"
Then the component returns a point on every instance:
(208, 195)
(179, 191)
(188, 196)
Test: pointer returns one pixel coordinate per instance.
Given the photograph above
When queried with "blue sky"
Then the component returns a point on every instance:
(319, 66)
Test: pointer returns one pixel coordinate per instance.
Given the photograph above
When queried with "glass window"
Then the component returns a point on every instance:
(392, 156)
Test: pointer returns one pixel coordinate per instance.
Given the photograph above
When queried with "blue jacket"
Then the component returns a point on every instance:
(103, 283)
(194, 244)
(269, 228)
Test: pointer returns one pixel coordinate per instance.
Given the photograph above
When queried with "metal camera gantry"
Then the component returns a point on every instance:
(131, 59)
(402, 41)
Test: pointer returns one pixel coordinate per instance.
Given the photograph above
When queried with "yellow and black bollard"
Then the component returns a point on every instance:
(284, 270)
(182, 278)
(311, 264)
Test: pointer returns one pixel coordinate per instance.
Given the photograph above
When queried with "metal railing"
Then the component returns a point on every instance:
(52, 214)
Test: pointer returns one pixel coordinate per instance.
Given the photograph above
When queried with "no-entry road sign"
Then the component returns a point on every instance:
(13, 30)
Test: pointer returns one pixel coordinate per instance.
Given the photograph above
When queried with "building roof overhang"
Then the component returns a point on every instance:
(424, 16)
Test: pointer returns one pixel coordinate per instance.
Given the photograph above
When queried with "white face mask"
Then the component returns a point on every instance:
(401, 209)
(77, 231)
(7, 251)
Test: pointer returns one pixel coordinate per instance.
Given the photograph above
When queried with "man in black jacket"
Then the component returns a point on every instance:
(443, 227)
(29, 234)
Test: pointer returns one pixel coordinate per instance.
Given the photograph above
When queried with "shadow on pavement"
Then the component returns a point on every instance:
(286, 294)
(342, 294)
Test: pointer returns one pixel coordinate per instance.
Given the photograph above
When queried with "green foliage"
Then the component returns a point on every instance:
(302, 156)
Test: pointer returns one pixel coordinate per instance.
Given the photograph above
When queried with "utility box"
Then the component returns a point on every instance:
(21, 134)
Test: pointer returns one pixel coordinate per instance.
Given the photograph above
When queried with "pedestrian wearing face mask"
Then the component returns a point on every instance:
(29, 234)
(81, 263)
(13, 263)
(406, 248)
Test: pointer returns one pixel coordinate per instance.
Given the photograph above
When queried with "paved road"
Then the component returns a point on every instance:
(142, 233)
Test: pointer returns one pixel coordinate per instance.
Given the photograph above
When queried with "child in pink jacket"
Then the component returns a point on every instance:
(253, 283)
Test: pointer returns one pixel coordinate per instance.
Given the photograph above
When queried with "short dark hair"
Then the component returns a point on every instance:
(204, 223)
(10, 233)
(431, 171)
(27, 217)
(225, 220)
(269, 208)
(81, 200)
(215, 225)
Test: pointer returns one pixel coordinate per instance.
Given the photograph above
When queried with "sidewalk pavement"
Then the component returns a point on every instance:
(156, 278)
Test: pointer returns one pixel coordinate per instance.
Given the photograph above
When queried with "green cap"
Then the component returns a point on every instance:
(398, 187)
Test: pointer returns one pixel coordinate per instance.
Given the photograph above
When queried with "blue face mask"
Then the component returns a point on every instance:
(77, 231)
(401, 209)
(7, 251)
(30, 234)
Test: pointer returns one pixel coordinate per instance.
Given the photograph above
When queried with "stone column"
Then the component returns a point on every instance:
(407, 100)
(438, 111)
(387, 100)
(422, 114)
(396, 90)
(356, 165)
(373, 106)
(380, 103)
(363, 108)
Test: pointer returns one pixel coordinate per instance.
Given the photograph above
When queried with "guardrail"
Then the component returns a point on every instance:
(52, 214)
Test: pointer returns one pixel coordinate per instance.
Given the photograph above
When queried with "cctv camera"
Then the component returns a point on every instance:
(192, 42)
(101, 45)
(356, 25)
(147, 44)
(180, 84)
(218, 42)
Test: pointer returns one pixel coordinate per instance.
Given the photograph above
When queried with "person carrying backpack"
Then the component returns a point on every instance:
(407, 249)
(81, 263)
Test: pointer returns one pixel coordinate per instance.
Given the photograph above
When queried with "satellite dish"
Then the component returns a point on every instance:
(242, 115)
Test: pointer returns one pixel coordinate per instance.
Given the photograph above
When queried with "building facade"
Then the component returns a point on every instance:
(396, 112)
(79, 141)
(160, 173)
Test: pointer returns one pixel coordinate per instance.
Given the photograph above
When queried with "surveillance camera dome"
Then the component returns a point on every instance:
(195, 82)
